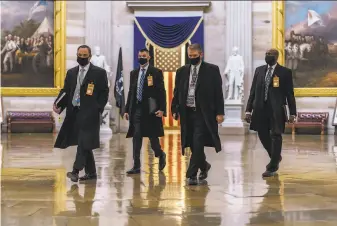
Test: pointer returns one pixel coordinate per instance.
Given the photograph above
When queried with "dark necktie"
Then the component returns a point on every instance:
(267, 83)
(140, 87)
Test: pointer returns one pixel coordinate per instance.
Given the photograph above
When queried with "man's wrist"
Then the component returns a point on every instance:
(248, 113)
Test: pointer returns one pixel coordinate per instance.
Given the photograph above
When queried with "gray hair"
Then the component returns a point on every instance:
(195, 46)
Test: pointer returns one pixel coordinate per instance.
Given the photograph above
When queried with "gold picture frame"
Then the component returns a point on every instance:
(59, 59)
(278, 38)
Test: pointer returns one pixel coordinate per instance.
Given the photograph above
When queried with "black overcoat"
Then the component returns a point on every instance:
(84, 128)
(279, 97)
(208, 97)
(151, 126)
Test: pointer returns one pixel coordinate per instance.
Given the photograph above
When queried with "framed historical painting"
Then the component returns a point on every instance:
(305, 34)
(32, 47)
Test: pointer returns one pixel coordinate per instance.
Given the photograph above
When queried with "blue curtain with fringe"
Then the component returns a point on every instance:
(166, 32)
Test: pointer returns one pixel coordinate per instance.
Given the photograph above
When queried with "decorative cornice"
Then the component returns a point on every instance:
(141, 5)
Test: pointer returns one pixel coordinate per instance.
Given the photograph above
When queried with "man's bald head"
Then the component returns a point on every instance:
(273, 52)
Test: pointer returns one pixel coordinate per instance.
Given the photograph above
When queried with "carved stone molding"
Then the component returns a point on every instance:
(178, 5)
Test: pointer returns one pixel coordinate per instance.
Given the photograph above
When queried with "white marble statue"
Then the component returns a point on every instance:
(234, 74)
(99, 60)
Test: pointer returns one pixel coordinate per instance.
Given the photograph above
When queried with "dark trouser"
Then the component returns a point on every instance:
(196, 128)
(84, 158)
(138, 138)
(270, 140)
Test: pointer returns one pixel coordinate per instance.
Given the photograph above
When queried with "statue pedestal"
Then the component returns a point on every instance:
(233, 123)
(105, 121)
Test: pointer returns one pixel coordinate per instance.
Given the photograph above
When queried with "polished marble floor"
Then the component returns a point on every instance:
(35, 191)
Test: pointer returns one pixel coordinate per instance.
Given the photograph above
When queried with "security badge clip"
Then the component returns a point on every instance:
(150, 80)
(90, 89)
(276, 81)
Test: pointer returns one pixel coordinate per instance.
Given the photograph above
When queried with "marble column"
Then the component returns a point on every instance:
(238, 33)
(98, 32)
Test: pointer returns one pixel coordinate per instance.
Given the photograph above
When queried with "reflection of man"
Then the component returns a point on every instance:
(86, 94)
(273, 195)
(8, 50)
(83, 207)
(271, 90)
(197, 213)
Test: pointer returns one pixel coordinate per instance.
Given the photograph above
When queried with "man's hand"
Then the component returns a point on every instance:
(220, 119)
(248, 117)
(159, 114)
(175, 116)
(292, 118)
(56, 109)
(126, 116)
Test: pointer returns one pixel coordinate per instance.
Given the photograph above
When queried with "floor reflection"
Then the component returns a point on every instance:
(35, 191)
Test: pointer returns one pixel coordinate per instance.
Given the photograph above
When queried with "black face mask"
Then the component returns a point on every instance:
(270, 60)
(195, 61)
(82, 61)
(142, 61)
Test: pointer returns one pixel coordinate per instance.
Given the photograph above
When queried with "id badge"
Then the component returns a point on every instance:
(90, 89)
(276, 81)
(191, 92)
(150, 80)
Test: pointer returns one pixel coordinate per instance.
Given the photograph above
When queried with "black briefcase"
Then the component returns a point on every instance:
(153, 107)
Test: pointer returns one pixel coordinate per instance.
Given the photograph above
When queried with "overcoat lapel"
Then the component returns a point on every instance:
(200, 75)
(186, 81)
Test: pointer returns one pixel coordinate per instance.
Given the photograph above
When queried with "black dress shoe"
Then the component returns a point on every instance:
(268, 166)
(133, 171)
(192, 181)
(72, 176)
(89, 177)
(204, 174)
(269, 174)
(162, 161)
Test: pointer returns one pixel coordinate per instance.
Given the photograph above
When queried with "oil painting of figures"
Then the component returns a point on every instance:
(311, 42)
(27, 44)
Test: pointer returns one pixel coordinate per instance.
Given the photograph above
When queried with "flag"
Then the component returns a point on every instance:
(314, 18)
(39, 6)
(119, 85)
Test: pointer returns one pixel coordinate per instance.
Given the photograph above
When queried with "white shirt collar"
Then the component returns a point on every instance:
(197, 66)
(86, 67)
(146, 67)
(274, 66)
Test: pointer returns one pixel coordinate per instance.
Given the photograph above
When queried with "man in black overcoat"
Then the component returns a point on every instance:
(146, 82)
(198, 101)
(272, 89)
(86, 94)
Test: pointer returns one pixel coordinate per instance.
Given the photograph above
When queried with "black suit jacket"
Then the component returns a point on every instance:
(156, 91)
(209, 99)
(278, 97)
(87, 120)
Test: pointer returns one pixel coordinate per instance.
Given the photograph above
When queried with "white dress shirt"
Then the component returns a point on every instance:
(197, 67)
(272, 70)
(191, 72)
(86, 68)
(141, 72)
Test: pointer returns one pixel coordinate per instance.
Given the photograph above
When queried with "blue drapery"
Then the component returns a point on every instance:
(166, 32)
